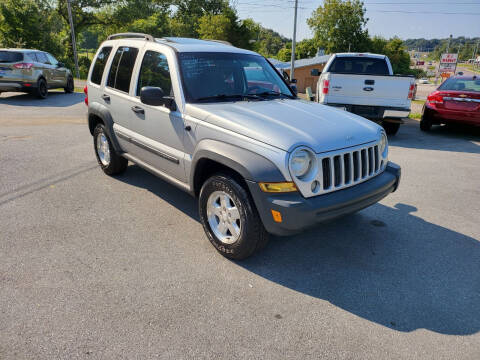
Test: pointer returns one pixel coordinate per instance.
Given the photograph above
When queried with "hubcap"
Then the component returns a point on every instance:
(103, 149)
(223, 217)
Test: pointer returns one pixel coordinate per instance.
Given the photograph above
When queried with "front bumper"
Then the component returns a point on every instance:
(299, 213)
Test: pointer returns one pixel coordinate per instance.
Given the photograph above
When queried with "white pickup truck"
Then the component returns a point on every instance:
(364, 84)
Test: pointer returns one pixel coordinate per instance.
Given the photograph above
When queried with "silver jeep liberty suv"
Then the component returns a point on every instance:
(222, 124)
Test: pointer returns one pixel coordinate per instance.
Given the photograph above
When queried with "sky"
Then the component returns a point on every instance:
(403, 18)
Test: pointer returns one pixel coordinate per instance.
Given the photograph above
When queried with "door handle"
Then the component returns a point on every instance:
(106, 97)
(138, 110)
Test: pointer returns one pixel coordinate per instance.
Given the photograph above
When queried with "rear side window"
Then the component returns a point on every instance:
(155, 72)
(121, 70)
(32, 56)
(42, 58)
(100, 64)
(359, 65)
(10, 56)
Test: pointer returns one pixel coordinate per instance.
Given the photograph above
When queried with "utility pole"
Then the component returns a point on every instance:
(292, 61)
(74, 43)
(475, 50)
(448, 43)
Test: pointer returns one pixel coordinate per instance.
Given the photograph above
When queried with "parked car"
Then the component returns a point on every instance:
(364, 84)
(258, 159)
(33, 71)
(457, 100)
(423, 81)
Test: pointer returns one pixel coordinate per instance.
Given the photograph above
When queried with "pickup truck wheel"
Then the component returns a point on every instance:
(110, 162)
(229, 218)
(390, 128)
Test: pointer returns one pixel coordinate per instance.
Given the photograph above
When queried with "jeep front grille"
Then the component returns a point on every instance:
(343, 168)
(348, 168)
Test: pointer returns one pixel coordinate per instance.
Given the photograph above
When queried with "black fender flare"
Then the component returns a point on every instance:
(102, 112)
(251, 166)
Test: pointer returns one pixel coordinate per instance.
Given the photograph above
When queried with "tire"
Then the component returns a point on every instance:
(251, 234)
(70, 88)
(41, 91)
(425, 123)
(390, 128)
(110, 162)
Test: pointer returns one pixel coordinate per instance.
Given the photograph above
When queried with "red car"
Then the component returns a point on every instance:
(457, 100)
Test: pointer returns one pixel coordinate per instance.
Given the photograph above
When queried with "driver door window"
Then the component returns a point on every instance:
(155, 72)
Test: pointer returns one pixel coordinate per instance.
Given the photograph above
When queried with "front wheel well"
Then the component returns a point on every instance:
(205, 168)
(93, 121)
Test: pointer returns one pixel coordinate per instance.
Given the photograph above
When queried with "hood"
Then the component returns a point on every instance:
(286, 123)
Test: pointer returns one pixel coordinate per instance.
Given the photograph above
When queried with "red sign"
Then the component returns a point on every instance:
(448, 59)
(420, 63)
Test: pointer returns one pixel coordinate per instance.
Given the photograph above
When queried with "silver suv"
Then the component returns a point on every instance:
(222, 124)
(33, 71)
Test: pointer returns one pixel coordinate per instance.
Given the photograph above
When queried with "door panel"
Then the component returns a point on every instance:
(159, 131)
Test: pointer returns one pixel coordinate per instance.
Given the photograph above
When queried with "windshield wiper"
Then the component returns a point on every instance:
(274, 93)
(230, 96)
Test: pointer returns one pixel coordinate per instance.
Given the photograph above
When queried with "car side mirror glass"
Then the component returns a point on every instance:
(315, 72)
(155, 96)
(60, 64)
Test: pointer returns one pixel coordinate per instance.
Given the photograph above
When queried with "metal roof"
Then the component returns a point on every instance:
(300, 63)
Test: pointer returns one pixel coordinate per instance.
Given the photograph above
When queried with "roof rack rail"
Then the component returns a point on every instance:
(219, 41)
(131, 35)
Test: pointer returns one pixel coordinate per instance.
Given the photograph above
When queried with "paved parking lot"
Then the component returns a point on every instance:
(93, 267)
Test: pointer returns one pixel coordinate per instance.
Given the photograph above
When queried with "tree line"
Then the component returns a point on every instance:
(337, 25)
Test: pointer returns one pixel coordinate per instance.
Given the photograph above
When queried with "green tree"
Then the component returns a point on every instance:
(339, 25)
(398, 55)
(216, 27)
(305, 49)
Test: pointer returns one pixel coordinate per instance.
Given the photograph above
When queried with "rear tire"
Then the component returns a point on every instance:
(390, 128)
(425, 123)
(108, 159)
(223, 205)
(70, 88)
(41, 91)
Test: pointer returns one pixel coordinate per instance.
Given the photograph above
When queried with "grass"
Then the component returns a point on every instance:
(416, 116)
(419, 101)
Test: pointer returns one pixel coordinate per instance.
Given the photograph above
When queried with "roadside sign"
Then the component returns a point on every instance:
(420, 63)
(448, 63)
(446, 67)
(448, 58)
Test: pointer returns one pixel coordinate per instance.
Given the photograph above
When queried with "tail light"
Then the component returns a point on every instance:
(435, 98)
(411, 91)
(85, 90)
(325, 85)
(23, 66)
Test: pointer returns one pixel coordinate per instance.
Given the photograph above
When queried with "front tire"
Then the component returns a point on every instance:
(229, 218)
(70, 88)
(108, 159)
(390, 128)
(41, 91)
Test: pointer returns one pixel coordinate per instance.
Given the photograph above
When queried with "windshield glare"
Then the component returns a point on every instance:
(218, 76)
(461, 84)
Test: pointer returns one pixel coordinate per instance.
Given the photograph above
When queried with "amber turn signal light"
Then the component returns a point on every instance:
(278, 187)
(277, 216)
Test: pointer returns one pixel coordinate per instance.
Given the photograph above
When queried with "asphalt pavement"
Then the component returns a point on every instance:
(98, 267)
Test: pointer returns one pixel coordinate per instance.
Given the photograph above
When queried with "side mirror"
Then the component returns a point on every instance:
(285, 76)
(315, 72)
(293, 81)
(294, 88)
(155, 96)
(60, 64)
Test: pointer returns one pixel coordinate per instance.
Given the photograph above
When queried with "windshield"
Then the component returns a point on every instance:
(458, 84)
(359, 65)
(230, 77)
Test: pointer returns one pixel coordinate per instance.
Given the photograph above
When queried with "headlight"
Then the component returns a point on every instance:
(383, 145)
(301, 162)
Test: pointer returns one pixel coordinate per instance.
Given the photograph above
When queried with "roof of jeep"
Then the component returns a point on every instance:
(181, 44)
